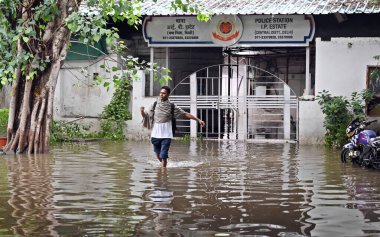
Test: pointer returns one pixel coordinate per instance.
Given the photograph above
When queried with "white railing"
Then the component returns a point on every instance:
(265, 107)
(233, 102)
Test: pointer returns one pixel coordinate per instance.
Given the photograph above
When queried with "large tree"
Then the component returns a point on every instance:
(34, 37)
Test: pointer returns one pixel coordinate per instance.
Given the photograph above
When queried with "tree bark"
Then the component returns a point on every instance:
(31, 104)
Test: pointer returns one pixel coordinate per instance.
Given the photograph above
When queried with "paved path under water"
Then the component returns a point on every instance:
(209, 189)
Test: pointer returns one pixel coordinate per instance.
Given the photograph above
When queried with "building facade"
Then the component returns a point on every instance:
(254, 70)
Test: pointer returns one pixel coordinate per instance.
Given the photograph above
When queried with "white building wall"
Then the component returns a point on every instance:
(76, 94)
(134, 129)
(341, 64)
(311, 130)
(341, 68)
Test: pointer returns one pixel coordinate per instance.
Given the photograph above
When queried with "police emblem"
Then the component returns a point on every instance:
(227, 30)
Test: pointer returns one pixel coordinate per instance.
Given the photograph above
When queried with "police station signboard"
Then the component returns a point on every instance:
(165, 31)
(229, 30)
(278, 30)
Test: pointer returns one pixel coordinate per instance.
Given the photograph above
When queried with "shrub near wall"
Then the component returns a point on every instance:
(116, 112)
(3, 126)
(339, 112)
(3, 121)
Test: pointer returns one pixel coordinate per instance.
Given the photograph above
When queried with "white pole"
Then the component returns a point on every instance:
(193, 104)
(307, 73)
(286, 112)
(151, 72)
(242, 111)
(167, 61)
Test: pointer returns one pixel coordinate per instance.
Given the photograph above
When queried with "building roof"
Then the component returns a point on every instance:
(248, 7)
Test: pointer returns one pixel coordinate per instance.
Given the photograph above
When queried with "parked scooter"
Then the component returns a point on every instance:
(364, 146)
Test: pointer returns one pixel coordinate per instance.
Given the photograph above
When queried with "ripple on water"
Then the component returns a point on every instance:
(208, 189)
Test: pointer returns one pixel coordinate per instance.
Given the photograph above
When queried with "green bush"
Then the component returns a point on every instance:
(116, 112)
(113, 129)
(3, 121)
(339, 112)
(62, 131)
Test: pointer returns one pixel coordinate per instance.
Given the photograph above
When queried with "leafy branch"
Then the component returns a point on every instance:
(339, 111)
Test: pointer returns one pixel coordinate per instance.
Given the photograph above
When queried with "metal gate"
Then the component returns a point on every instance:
(237, 102)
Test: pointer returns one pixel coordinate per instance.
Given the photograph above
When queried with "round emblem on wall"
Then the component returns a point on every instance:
(226, 30)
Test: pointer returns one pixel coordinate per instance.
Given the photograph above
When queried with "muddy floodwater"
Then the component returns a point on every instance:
(208, 189)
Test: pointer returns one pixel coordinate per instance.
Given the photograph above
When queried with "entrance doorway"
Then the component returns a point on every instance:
(237, 102)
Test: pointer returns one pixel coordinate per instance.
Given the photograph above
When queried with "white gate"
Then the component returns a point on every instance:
(237, 102)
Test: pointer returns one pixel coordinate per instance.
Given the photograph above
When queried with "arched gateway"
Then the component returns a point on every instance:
(237, 102)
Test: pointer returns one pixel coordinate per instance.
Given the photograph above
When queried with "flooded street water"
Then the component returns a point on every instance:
(209, 189)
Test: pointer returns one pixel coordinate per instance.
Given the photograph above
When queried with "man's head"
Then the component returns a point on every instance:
(164, 93)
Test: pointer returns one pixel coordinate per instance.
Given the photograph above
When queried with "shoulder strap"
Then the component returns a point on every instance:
(154, 105)
(174, 123)
(172, 109)
(171, 106)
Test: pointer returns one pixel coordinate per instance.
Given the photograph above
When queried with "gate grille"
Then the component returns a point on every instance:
(237, 102)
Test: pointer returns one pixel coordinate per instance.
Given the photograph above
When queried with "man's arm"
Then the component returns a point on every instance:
(190, 116)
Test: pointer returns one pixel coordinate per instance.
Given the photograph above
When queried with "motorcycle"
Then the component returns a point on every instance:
(364, 146)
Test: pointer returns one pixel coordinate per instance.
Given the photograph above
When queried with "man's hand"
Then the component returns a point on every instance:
(142, 111)
(190, 116)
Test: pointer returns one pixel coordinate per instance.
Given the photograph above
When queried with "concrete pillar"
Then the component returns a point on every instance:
(167, 61)
(193, 104)
(138, 92)
(242, 96)
(307, 90)
(286, 112)
(151, 81)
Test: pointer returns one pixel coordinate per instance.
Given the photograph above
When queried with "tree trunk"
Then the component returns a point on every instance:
(31, 104)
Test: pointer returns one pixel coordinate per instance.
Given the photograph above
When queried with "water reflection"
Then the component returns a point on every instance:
(234, 184)
(208, 189)
(160, 204)
(31, 192)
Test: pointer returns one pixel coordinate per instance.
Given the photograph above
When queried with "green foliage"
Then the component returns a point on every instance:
(187, 137)
(191, 7)
(67, 131)
(8, 42)
(88, 26)
(26, 40)
(117, 109)
(184, 138)
(339, 112)
(91, 25)
(113, 129)
(375, 73)
(4, 113)
(127, 69)
(29, 33)
(116, 112)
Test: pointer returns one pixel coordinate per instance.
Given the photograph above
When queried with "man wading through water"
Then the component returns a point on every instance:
(161, 114)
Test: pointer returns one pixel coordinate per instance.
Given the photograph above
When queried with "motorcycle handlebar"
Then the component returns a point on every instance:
(371, 121)
(363, 124)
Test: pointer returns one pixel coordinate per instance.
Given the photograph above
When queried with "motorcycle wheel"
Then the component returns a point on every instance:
(344, 155)
(375, 163)
(368, 157)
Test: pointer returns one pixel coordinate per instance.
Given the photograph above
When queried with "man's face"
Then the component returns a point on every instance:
(164, 94)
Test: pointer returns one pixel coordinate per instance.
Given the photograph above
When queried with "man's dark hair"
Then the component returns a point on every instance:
(166, 88)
